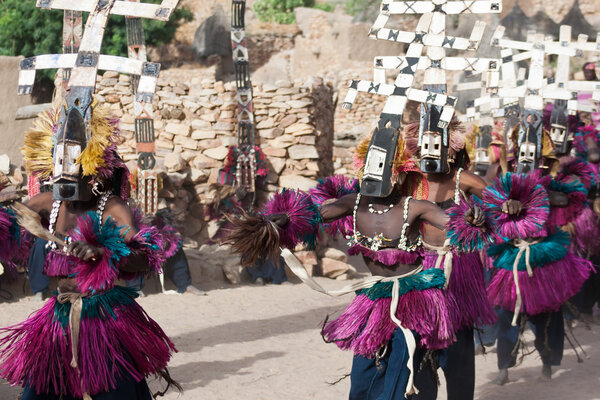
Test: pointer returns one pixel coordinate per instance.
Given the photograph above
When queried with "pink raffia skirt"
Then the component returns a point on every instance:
(366, 325)
(116, 337)
(549, 287)
(467, 287)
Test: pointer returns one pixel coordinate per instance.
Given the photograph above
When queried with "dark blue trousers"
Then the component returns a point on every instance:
(549, 330)
(458, 363)
(388, 382)
(178, 270)
(37, 280)
(268, 271)
(127, 389)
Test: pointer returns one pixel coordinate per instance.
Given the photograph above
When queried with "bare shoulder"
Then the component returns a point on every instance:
(41, 203)
(472, 180)
(422, 206)
(118, 210)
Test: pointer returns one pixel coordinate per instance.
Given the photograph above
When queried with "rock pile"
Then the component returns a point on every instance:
(195, 122)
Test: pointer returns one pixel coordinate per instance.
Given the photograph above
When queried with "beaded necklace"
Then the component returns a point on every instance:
(457, 188)
(54, 217)
(379, 240)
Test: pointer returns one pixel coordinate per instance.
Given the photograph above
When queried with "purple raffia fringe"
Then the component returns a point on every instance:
(101, 274)
(586, 233)
(150, 243)
(576, 194)
(467, 286)
(125, 340)
(14, 243)
(333, 188)
(389, 257)
(580, 170)
(172, 240)
(582, 134)
(58, 264)
(532, 195)
(466, 236)
(303, 217)
(365, 325)
(548, 288)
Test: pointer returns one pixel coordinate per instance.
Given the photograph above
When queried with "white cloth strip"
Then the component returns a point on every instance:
(161, 12)
(298, 269)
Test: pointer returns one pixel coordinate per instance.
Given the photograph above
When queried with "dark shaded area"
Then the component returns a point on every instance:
(517, 23)
(250, 330)
(205, 372)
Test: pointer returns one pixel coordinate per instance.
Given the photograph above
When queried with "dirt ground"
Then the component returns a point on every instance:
(263, 343)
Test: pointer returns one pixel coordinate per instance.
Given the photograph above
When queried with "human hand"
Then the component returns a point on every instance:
(512, 207)
(280, 220)
(475, 216)
(84, 251)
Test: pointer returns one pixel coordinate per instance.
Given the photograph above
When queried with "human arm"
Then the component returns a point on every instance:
(475, 185)
(331, 210)
(431, 213)
(117, 245)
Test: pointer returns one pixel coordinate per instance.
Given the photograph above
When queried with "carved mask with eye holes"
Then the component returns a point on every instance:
(431, 145)
(482, 143)
(69, 184)
(527, 160)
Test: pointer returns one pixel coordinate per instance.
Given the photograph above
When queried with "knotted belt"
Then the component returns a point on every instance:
(443, 253)
(296, 267)
(524, 248)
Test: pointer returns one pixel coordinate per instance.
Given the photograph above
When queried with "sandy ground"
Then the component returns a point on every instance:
(263, 343)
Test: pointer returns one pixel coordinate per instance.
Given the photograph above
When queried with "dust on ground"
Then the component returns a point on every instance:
(264, 343)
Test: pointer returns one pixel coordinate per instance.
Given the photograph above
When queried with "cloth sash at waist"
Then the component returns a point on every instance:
(76, 300)
(298, 269)
(443, 253)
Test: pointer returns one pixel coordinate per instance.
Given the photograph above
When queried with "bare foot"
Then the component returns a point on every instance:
(502, 377)
(546, 373)
(479, 350)
(194, 290)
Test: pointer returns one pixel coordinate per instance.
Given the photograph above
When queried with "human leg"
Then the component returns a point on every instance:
(549, 336)
(177, 269)
(126, 389)
(508, 336)
(368, 381)
(37, 280)
(459, 366)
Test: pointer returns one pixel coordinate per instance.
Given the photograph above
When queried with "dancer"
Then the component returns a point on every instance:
(464, 271)
(91, 338)
(585, 228)
(535, 273)
(400, 314)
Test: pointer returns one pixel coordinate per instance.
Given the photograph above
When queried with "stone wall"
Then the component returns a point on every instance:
(195, 122)
(12, 129)
(358, 122)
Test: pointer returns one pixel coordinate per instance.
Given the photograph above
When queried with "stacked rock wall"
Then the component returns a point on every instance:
(195, 120)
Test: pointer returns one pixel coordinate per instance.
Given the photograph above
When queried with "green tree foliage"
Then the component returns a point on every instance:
(279, 11)
(363, 10)
(27, 30)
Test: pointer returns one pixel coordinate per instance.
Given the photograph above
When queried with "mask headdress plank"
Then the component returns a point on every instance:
(565, 104)
(245, 166)
(383, 146)
(490, 106)
(72, 34)
(147, 178)
(529, 143)
(74, 130)
(434, 141)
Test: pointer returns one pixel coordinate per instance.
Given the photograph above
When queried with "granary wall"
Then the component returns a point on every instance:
(195, 120)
